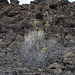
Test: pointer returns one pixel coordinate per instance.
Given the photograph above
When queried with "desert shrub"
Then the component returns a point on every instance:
(44, 50)
(31, 47)
(46, 12)
(35, 22)
(37, 51)
(46, 24)
(39, 28)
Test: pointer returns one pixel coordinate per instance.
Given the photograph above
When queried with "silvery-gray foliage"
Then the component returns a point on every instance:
(32, 47)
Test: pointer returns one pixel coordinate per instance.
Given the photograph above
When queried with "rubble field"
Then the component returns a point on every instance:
(37, 38)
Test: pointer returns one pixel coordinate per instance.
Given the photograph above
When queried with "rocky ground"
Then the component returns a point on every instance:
(55, 18)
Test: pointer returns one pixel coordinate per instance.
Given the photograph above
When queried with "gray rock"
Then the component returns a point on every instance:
(69, 58)
(54, 65)
(12, 73)
(21, 72)
(68, 73)
(70, 67)
(57, 71)
(14, 1)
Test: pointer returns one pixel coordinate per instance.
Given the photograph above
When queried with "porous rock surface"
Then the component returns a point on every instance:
(55, 18)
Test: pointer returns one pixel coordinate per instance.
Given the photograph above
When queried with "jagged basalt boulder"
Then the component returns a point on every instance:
(14, 1)
(69, 58)
(3, 2)
(38, 1)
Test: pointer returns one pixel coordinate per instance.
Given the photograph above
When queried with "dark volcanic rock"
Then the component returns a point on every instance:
(3, 2)
(14, 1)
(12, 73)
(38, 1)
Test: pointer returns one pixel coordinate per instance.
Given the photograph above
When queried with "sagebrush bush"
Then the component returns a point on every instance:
(35, 50)
(31, 47)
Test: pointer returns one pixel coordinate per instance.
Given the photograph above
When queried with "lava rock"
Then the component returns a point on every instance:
(38, 1)
(54, 66)
(69, 58)
(12, 73)
(14, 1)
(57, 71)
(3, 1)
(21, 72)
